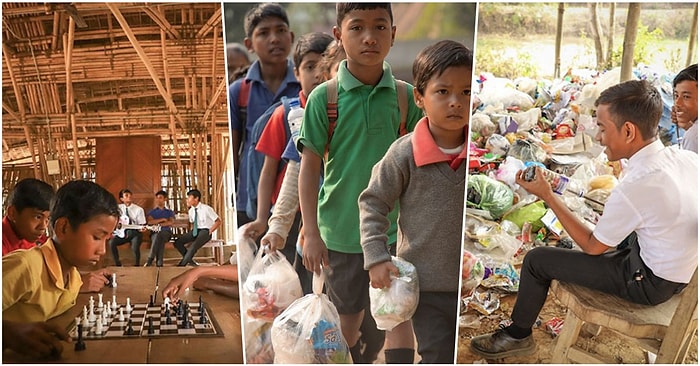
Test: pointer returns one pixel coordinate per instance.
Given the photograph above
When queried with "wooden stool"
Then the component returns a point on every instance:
(665, 329)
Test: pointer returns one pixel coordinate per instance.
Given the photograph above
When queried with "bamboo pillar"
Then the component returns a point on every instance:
(557, 42)
(693, 37)
(633, 13)
(70, 101)
(171, 123)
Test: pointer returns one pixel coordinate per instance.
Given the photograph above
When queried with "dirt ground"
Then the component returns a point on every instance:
(606, 343)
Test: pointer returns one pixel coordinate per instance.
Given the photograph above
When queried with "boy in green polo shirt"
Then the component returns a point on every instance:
(368, 122)
(43, 282)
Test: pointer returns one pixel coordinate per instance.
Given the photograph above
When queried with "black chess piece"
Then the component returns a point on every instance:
(80, 344)
(168, 321)
(129, 328)
(203, 319)
(186, 323)
(150, 325)
(150, 302)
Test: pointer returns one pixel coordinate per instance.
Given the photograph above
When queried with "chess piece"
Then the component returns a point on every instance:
(128, 305)
(129, 328)
(150, 325)
(114, 302)
(79, 344)
(99, 300)
(91, 315)
(203, 319)
(92, 301)
(121, 314)
(114, 280)
(84, 322)
(150, 302)
(98, 325)
(166, 301)
(105, 319)
(168, 321)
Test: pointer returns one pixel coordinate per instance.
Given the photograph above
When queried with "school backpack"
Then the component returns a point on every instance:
(332, 107)
(256, 159)
(243, 95)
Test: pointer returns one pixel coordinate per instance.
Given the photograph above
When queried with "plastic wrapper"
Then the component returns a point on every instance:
(489, 239)
(270, 287)
(308, 331)
(507, 170)
(482, 124)
(472, 272)
(396, 304)
(497, 144)
(258, 345)
(526, 150)
(502, 276)
(489, 194)
(484, 302)
(531, 213)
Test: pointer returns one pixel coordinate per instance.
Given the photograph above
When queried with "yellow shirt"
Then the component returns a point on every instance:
(32, 285)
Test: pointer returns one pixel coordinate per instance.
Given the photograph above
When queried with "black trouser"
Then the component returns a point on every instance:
(158, 241)
(434, 324)
(202, 238)
(621, 272)
(130, 235)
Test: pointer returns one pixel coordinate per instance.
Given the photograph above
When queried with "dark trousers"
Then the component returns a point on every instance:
(434, 324)
(202, 238)
(130, 236)
(158, 241)
(620, 272)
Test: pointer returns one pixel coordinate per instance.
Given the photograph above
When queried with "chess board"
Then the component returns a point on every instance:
(139, 323)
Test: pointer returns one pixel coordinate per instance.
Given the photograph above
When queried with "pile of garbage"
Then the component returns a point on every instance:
(550, 124)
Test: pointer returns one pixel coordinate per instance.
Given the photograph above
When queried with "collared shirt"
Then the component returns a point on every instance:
(162, 213)
(32, 285)
(690, 138)
(260, 99)
(205, 216)
(10, 240)
(426, 151)
(657, 198)
(136, 214)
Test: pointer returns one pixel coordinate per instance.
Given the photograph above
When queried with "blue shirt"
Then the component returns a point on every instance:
(259, 100)
(162, 213)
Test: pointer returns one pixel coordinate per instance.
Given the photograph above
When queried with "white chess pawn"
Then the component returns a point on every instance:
(121, 314)
(91, 316)
(85, 323)
(92, 301)
(114, 280)
(114, 302)
(128, 305)
(85, 312)
(99, 300)
(105, 319)
(166, 301)
(98, 326)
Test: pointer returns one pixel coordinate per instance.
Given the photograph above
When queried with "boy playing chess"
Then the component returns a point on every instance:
(43, 282)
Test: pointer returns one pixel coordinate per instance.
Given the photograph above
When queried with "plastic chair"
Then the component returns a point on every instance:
(665, 329)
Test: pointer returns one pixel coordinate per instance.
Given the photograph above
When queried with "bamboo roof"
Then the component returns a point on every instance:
(76, 71)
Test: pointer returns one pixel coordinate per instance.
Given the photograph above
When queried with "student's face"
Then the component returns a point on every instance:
(126, 198)
(308, 73)
(685, 102)
(366, 36)
(609, 136)
(84, 245)
(160, 200)
(446, 100)
(235, 61)
(192, 201)
(29, 223)
(271, 41)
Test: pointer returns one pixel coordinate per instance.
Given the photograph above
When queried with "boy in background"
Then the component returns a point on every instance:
(368, 122)
(204, 222)
(424, 173)
(136, 216)
(684, 112)
(43, 282)
(27, 217)
(165, 217)
(274, 139)
(269, 78)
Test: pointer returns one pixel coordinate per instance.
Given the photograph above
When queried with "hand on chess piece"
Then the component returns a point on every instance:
(94, 281)
(38, 339)
(227, 274)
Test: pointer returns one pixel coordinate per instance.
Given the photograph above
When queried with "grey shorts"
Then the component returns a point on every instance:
(347, 283)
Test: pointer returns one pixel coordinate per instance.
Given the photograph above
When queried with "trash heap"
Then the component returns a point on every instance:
(519, 123)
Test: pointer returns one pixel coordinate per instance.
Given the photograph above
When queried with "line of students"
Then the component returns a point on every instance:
(340, 235)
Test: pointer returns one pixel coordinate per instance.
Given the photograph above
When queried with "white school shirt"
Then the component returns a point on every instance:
(136, 213)
(657, 198)
(205, 216)
(690, 138)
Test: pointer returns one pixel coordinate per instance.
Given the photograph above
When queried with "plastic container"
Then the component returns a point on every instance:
(559, 182)
(295, 116)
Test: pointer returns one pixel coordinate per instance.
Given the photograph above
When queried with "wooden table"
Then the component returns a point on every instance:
(138, 283)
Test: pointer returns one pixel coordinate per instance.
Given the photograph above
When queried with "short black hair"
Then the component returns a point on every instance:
(81, 200)
(636, 101)
(31, 193)
(125, 190)
(310, 42)
(690, 73)
(436, 58)
(342, 9)
(260, 12)
(162, 193)
(195, 193)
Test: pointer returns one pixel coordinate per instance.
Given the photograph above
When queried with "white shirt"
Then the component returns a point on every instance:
(657, 198)
(690, 138)
(136, 214)
(205, 216)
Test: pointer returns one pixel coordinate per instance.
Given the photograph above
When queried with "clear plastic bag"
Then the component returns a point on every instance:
(396, 304)
(308, 331)
(271, 286)
(258, 346)
(246, 248)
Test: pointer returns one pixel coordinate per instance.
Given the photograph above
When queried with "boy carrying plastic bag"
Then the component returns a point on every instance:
(309, 331)
(395, 304)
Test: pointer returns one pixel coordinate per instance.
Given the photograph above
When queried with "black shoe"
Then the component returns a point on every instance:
(159, 263)
(500, 344)
(193, 263)
(149, 262)
(118, 264)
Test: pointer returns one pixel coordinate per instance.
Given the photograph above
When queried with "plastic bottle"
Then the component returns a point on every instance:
(559, 182)
(295, 116)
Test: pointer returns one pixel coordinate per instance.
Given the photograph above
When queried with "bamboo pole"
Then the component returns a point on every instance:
(192, 172)
(168, 87)
(693, 37)
(160, 19)
(633, 13)
(70, 101)
(20, 106)
(144, 58)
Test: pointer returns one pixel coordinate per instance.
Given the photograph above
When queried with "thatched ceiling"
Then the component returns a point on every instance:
(85, 70)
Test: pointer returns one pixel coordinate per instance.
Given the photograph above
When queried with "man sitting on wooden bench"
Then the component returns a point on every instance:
(652, 214)
(204, 222)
